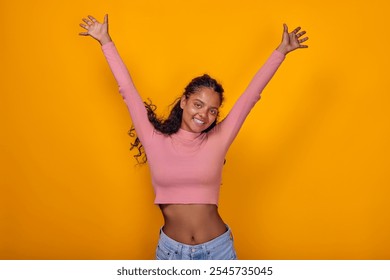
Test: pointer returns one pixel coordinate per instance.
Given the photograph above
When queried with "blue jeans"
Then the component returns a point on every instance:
(219, 248)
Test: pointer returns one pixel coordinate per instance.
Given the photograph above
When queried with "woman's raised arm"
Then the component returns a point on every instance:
(236, 117)
(134, 102)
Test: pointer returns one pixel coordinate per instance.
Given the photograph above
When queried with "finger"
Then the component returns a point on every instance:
(303, 39)
(285, 28)
(301, 34)
(87, 21)
(303, 46)
(83, 34)
(84, 26)
(295, 31)
(92, 19)
(106, 18)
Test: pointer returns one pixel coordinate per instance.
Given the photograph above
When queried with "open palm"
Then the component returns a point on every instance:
(292, 41)
(95, 29)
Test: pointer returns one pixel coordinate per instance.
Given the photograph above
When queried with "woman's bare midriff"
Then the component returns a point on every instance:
(192, 223)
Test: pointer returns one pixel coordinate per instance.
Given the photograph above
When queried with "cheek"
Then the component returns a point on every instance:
(190, 110)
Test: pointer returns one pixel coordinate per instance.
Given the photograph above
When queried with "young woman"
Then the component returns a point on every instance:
(186, 151)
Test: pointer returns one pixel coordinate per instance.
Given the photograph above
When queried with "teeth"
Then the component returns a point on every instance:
(198, 121)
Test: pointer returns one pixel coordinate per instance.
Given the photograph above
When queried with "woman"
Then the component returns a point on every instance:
(186, 152)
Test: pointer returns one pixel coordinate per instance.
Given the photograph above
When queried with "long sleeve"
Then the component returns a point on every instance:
(230, 126)
(129, 93)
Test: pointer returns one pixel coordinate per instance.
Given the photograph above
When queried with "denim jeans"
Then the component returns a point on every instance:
(219, 248)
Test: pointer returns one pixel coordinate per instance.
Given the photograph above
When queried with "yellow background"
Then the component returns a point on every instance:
(307, 177)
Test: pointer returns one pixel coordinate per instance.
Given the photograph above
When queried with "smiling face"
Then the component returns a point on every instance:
(200, 109)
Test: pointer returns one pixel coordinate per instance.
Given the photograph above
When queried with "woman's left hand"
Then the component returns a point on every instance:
(95, 29)
(292, 41)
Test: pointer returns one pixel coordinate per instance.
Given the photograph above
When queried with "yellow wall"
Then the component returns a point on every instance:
(307, 178)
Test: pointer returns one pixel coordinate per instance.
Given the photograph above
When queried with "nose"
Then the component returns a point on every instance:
(202, 113)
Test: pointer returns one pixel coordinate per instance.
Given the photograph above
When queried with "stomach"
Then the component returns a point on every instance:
(192, 224)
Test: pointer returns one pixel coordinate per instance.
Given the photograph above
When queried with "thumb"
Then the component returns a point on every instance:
(106, 19)
(285, 28)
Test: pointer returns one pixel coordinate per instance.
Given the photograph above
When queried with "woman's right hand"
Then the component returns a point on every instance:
(95, 29)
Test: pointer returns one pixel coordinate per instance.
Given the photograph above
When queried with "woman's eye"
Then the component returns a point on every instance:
(197, 105)
(213, 112)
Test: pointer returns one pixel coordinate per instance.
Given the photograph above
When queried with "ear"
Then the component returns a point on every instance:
(183, 101)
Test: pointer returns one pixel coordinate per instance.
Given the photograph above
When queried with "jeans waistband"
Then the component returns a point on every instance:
(175, 245)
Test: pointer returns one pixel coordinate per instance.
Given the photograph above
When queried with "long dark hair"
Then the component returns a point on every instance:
(172, 124)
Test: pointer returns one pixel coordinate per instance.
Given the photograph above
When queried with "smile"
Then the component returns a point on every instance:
(198, 121)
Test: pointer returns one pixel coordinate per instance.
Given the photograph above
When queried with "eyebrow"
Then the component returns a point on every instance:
(212, 107)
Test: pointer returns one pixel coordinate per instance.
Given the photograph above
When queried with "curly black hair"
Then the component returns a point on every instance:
(172, 124)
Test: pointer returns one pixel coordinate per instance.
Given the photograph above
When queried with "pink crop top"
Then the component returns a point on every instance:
(186, 167)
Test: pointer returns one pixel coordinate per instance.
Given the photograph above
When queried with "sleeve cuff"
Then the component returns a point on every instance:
(108, 45)
(278, 54)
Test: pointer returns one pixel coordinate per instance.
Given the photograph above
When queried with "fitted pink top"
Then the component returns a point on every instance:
(186, 167)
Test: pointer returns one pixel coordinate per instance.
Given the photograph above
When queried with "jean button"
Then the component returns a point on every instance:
(193, 250)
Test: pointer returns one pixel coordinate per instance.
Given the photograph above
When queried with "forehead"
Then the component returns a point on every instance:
(207, 96)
